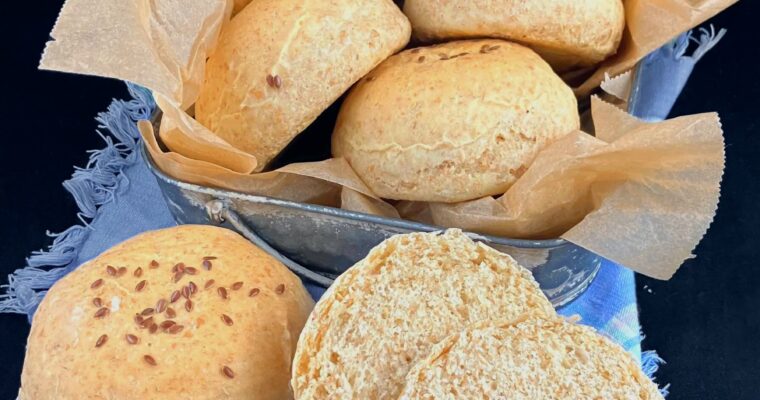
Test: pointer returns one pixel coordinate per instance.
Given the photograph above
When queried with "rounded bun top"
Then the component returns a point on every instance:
(528, 358)
(452, 122)
(388, 310)
(279, 64)
(566, 33)
(186, 312)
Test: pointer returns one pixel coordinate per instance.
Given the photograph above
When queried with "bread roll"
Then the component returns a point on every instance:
(567, 33)
(452, 122)
(225, 328)
(388, 310)
(280, 63)
(525, 360)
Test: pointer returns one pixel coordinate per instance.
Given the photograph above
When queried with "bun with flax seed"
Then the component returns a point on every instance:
(190, 312)
(566, 33)
(279, 64)
(452, 122)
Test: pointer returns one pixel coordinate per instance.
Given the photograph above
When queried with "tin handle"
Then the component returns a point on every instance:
(220, 212)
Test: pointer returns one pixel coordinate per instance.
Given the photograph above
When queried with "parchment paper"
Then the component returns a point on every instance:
(649, 25)
(639, 194)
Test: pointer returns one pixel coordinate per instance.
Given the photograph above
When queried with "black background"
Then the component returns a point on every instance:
(704, 322)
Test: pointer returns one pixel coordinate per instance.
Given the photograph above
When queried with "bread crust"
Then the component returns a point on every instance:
(256, 343)
(280, 63)
(528, 358)
(389, 309)
(568, 34)
(452, 122)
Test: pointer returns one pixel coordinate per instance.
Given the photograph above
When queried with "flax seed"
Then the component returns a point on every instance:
(101, 340)
(175, 329)
(166, 325)
(161, 306)
(175, 296)
(102, 313)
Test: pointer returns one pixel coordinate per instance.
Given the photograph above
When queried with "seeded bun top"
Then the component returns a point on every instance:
(525, 359)
(191, 312)
(452, 122)
(279, 63)
(388, 311)
(566, 33)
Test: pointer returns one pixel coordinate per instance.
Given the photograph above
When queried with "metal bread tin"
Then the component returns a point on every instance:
(318, 243)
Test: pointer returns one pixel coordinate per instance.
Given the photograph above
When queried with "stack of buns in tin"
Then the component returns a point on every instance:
(460, 118)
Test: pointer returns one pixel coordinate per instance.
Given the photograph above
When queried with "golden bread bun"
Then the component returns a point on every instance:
(225, 328)
(280, 63)
(528, 359)
(452, 122)
(387, 311)
(567, 33)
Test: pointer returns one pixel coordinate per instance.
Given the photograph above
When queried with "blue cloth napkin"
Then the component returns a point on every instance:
(121, 198)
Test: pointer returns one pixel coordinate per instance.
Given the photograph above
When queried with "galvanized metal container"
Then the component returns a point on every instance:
(318, 243)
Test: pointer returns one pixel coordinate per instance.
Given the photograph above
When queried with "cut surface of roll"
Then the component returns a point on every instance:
(452, 122)
(191, 312)
(278, 64)
(388, 310)
(566, 33)
(525, 359)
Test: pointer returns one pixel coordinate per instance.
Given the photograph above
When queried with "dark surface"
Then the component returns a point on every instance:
(704, 321)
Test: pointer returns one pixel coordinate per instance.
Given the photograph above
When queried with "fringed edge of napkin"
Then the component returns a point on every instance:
(92, 187)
